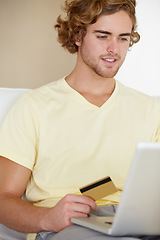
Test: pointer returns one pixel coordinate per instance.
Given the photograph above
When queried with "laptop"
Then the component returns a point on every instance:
(138, 212)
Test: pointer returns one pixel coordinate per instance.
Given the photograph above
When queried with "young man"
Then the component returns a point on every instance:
(76, 130)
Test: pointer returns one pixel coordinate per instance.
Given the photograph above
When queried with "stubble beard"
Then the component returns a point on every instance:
(102, 71)
(107, 73)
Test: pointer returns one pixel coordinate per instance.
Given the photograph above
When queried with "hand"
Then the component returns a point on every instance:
(59, 217)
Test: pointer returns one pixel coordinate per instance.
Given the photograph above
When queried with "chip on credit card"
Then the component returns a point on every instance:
(99, 189)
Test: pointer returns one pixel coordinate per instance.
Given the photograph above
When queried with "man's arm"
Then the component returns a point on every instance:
(21, 216)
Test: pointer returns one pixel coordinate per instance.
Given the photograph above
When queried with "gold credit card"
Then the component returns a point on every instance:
(99, 189)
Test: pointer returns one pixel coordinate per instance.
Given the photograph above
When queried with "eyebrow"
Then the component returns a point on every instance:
(109, 33)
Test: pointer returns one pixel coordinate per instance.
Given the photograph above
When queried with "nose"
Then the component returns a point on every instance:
(112, 46)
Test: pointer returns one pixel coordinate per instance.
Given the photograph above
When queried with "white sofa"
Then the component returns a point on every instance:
(7, 97)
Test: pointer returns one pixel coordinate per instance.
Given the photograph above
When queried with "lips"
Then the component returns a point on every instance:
(110, 60)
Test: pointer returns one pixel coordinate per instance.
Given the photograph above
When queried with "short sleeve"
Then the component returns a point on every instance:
(19, 133)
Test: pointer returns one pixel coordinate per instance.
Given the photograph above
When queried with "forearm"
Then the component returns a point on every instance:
(21, 216)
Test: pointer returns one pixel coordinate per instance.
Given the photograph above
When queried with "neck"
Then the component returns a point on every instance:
(92, 87)
(84, 78)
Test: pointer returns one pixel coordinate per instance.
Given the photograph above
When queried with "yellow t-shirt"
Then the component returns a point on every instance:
(68, 142)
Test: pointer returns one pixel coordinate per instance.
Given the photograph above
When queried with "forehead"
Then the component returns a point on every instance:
(117, 23)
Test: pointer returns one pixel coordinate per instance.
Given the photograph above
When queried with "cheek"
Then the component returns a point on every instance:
(87, 47)
(124, 50)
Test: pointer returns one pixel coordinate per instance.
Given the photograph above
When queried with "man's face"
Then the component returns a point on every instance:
(104, 47)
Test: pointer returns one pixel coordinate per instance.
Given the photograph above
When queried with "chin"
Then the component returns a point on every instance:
(106, 75)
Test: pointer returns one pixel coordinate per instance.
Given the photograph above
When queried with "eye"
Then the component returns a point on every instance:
(101, 36)
(124, 39)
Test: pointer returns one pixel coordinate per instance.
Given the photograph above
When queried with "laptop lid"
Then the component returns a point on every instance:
(138, 211)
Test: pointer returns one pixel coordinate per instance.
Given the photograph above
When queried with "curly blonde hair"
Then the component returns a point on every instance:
(80, 13)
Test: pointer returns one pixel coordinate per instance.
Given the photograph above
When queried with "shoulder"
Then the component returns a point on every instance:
(138, 105)
(42, 95)
(137, 98)
(47, 89)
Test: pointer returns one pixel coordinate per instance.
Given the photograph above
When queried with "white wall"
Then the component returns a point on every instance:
(141, 69)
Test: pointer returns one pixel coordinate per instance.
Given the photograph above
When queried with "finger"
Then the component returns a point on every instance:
(79, 214)
(81, 208)
(81, 199)
(88, 201)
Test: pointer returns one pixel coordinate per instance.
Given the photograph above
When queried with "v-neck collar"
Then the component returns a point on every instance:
(85, 101)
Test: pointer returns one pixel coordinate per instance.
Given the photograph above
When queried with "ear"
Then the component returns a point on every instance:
(78, 43)
(78, 40)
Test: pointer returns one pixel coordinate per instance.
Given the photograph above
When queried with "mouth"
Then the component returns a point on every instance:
(109, 60)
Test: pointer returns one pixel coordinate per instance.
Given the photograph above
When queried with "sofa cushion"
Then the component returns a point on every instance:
(7, 97)
(8, 234)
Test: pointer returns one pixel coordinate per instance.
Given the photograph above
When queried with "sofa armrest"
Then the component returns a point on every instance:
(7, 98)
